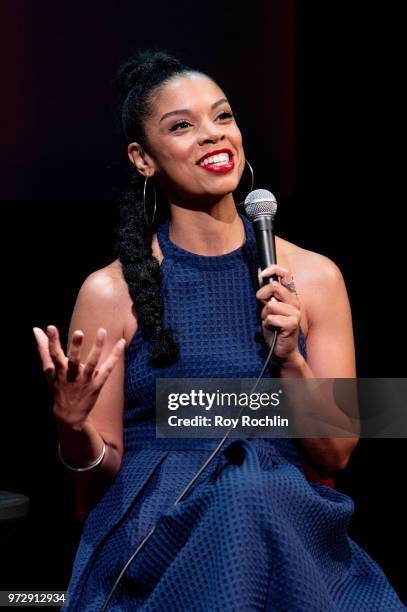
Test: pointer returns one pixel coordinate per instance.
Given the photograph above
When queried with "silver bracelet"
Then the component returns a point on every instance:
(83, 469)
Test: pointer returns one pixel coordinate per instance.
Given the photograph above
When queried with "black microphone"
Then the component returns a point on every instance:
(260, 207)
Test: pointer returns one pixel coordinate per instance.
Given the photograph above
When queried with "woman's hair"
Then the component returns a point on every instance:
(138, 80)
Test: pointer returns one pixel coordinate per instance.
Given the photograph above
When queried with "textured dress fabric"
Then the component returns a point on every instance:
(254, 533)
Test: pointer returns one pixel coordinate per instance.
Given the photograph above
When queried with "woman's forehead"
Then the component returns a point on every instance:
(187, 91)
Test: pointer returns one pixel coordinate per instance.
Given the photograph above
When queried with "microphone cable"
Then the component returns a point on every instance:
(191, 482)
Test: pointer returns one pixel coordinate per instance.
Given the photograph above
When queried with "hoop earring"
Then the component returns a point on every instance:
(144, 202)
(251, 181)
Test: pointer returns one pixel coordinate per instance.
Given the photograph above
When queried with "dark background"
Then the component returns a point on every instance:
(312, 84)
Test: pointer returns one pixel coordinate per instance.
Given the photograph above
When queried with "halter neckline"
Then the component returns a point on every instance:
(171, 250)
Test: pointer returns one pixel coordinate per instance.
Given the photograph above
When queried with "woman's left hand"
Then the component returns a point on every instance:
(282, 313)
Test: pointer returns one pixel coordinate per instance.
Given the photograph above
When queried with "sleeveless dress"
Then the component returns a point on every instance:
(254, 534)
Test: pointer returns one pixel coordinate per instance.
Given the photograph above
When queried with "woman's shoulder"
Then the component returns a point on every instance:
(107, 282)
(317, 277)
(306, 265)
(107, 289)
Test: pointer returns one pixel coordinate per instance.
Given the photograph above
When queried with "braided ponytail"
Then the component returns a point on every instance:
(137, 80)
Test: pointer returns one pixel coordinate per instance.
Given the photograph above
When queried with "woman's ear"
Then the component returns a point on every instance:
(141, 160)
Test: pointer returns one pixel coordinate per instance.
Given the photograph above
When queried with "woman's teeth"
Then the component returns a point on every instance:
(220, 159)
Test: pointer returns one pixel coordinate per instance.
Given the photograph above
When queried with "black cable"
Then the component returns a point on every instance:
(191, 482)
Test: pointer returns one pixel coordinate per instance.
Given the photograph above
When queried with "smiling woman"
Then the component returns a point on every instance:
(195, 154)
(256, 533)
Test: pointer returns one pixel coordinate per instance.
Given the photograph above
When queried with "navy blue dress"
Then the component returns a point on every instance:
(251, 536)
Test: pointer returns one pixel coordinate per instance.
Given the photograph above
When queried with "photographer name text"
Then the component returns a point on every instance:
(221, 421)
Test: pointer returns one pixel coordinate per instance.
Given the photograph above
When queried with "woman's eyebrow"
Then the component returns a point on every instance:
(183, 111)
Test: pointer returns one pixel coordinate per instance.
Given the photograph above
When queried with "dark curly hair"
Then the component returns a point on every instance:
(138, 79)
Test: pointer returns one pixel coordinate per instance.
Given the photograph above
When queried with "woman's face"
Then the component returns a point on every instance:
(191, 123)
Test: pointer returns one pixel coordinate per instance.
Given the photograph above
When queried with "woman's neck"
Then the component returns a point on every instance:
(215, 231)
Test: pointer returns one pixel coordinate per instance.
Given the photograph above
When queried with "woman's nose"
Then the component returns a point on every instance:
(210, 133)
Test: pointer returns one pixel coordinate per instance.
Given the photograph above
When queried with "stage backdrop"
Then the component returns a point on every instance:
(306, 80)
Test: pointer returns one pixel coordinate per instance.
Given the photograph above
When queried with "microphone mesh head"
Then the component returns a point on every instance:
(260, 202)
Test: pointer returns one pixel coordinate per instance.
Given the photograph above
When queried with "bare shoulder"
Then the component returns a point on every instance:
(317, 277)
(107, 283)
(106, 290)
(308, 266)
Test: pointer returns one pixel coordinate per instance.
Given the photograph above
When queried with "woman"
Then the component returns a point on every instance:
(183, 300)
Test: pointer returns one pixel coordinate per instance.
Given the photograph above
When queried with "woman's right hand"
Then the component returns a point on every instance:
(75, 385)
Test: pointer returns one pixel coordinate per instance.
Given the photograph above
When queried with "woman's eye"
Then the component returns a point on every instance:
(180, 124)
(225, 115)
(184, 124)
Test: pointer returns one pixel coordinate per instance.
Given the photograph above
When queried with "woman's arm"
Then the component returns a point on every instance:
(101, 302)
(330, 353)
(87, 382)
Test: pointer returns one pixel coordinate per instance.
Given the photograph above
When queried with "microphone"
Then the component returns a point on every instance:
(261, 206)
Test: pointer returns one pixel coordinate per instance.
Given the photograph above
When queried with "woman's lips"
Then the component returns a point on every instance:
(220, 167)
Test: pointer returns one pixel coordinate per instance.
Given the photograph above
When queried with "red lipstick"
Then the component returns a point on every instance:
(218, 167)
